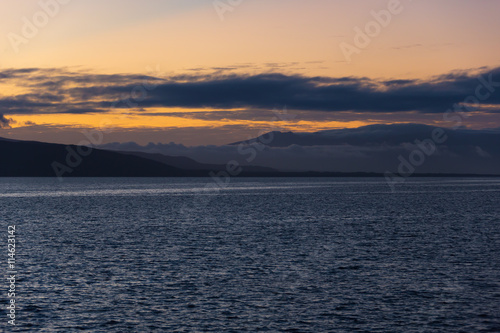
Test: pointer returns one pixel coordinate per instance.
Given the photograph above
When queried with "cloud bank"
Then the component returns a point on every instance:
(65, 91)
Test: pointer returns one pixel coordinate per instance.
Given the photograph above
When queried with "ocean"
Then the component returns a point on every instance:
(252, 255)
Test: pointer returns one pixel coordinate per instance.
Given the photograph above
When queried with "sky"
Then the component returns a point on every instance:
(199, 72)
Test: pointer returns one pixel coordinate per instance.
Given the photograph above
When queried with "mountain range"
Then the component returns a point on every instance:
(365, 151)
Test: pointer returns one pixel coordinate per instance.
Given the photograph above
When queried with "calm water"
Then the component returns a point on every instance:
(261, 255)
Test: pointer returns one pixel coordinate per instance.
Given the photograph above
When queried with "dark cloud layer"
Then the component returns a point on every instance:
(60, 90)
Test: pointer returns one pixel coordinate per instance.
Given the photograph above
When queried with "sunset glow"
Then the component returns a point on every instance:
(169, 40)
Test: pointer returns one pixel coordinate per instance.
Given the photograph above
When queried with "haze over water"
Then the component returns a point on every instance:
(297, 255)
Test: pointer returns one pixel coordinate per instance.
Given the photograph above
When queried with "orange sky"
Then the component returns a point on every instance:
(425, 38)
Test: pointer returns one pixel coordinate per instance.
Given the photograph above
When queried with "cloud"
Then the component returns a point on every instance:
(4, 122)
(409, 46)
(64, 91)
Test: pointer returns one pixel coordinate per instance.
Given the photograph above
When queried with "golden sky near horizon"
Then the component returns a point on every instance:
(424, 39)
